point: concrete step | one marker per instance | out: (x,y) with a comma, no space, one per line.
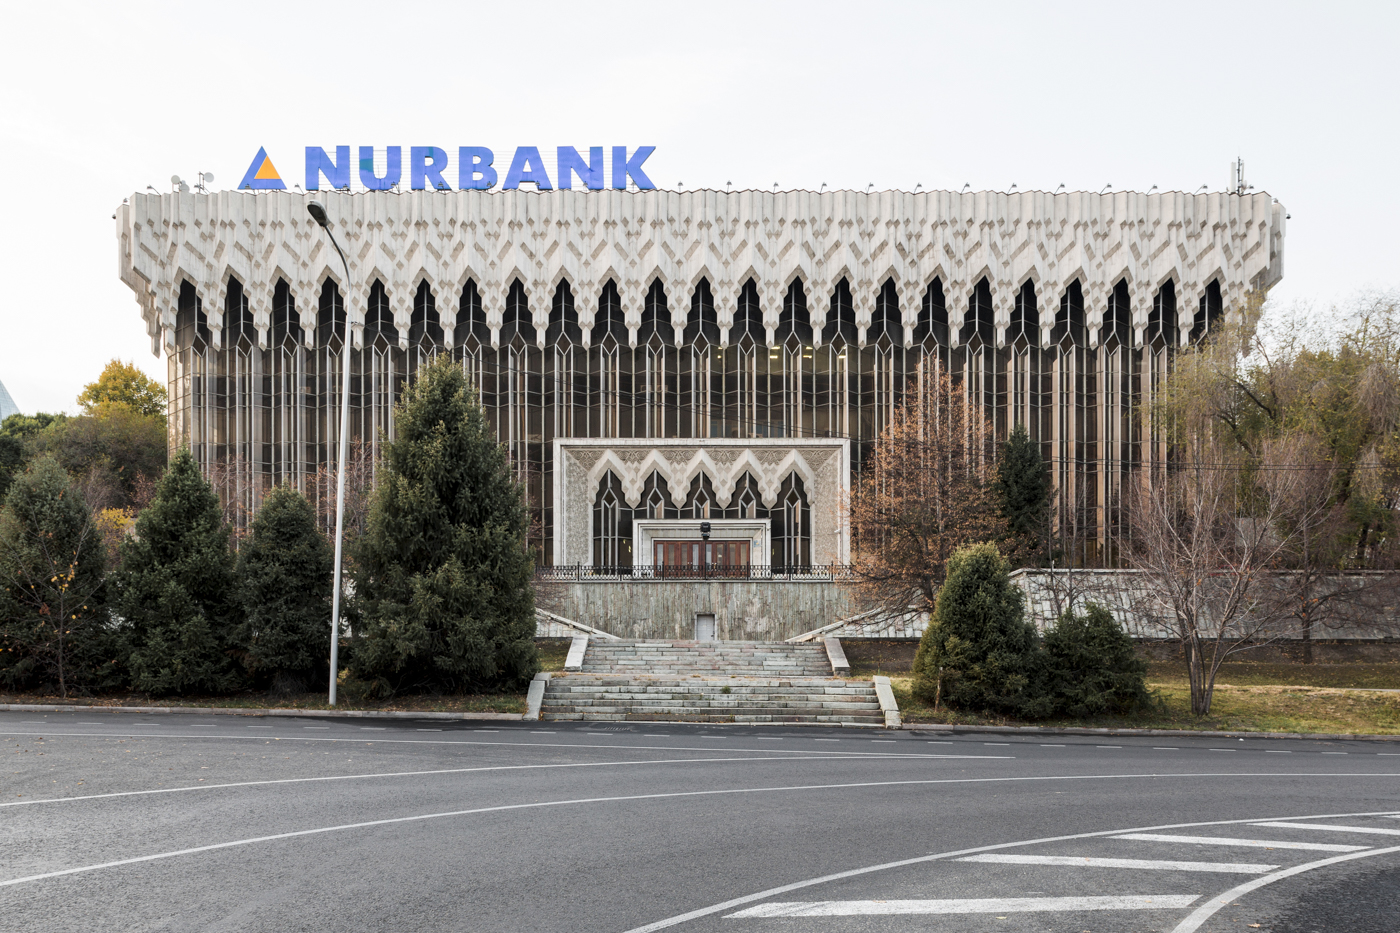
(682,714)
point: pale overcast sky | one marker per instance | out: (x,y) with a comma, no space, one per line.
(102,99)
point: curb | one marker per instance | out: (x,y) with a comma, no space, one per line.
(251,711)
(1200,733)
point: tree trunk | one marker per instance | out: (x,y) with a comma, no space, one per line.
(1307,638)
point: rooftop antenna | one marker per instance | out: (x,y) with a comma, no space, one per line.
(1012,188)
(204,179)
(1057,190)
(1200,189)
(680,184)
(1106,187)
(152,188)
(1152,189)
(966,185)
(917,187)
(1237,183)
(727,184)
(869,186)
(178,184)
(775,186)
(822,188)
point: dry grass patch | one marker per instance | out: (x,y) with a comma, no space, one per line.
(1258,708)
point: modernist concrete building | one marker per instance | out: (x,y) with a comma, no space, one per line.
(659,359)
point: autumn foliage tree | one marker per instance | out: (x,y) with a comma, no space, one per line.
(925,491)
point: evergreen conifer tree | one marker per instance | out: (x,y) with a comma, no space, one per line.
(979,652)
(53,621)
(1023,492)
(443,577)
(284,586)
(1091,667)
(175,589)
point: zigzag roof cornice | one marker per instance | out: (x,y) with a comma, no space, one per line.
(634,238)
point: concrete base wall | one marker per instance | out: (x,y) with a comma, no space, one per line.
(744,610)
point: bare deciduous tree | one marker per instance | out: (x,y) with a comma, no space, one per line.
(923,493)
(1207,538)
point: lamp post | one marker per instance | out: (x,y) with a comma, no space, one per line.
(318,214)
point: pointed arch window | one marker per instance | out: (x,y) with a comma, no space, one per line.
(791,520)
(612,525)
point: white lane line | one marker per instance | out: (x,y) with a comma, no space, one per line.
(882,740)
(1227,868)
(929,743)
(197,725)
(1165,748)
(362,728)
(514,744)
(81,722)
(1334,753)
(656,735)
(852,756)
(1108,746)
(421,729)
(498,730)
(767,738)
(315,727)
(543,733)
(996,743)
(1250,843)
(830,740)
(1201,914)
(1276,751)
(259,727)
(970,905)
(1330,828)
(1052,746)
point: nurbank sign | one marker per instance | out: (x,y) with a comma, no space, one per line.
(475,168)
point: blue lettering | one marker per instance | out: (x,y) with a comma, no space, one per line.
(425,163)
(393,170)
(337,172)
(471,162)
(623,166)
(527,166)
(590,172)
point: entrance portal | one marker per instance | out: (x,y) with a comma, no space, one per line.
(701,558)
(705,626)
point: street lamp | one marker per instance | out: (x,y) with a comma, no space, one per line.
(318,214)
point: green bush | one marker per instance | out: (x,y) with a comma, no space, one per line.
(175,589)
(284,586)
(54,627)
(1090,666)
(979,652)
(444,581)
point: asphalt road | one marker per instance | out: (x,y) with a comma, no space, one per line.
(119,822)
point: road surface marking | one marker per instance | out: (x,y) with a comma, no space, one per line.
(259,727)
(1165,748)
(1328,827)
(1108,746)
(1251,843)
(1201,914)
(970,905)
(1229,868)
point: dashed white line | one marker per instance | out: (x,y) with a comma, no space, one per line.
(1334,753)
(543,733)
(420,729)
(970,905)
(371,728)
(1052,746)
(1108,746)
(996,743)
(1248,843)
(1277,751)
(259,727)
(1228,868)
(828,740)
(315,727)
(1165,748)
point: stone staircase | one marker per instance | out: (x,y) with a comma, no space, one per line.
(686,681)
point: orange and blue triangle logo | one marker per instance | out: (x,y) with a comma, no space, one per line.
(262,175)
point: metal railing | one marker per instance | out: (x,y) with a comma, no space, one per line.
(800,572)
